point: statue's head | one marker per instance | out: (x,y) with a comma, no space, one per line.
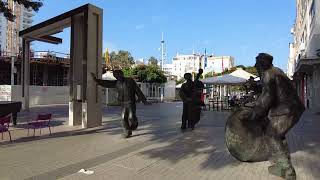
(200,71)
(251,78)
(187,76)
(263,62)
(118,74)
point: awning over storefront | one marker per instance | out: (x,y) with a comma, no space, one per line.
(306,65)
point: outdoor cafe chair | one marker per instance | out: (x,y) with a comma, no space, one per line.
(4,126)
(42,121)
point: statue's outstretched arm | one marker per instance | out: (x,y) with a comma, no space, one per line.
(104,83)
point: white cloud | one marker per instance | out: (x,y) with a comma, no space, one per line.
(140,26)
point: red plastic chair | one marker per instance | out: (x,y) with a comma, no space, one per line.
(42,121)
(4,126)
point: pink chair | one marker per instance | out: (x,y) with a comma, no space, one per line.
(42,121)
(4,126)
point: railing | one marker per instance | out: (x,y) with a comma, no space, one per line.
(52,56)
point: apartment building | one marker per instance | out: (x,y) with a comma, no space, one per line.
(182,64)
(304,56)
(9,31)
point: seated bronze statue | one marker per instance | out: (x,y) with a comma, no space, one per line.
(258,133)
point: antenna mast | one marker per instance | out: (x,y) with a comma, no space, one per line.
(162,51)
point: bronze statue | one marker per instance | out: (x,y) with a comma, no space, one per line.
(186,93)
(255,134)
(127,90)
(197,101)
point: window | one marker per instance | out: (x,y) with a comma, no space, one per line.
(312,12)
(302,38)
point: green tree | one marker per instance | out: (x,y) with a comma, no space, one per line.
(155,75)
(7,12)
(146,73)
(241,66)
(252,70)
(121,59)
(153,61)
(210,74)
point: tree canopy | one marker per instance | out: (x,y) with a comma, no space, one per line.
(7,11)
(150,73)
(153,61)
(120,60)
(146,73)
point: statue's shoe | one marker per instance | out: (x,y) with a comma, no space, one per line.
(286,173)
(126,135)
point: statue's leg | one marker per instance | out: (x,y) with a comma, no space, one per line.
(133,120)
(125,122)
(184,116)
(190,115)
(276,131)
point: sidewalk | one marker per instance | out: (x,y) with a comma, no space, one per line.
(157,150)
(201,154)
(59,123)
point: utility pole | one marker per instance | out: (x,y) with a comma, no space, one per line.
(162,62)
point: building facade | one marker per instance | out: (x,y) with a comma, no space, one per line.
(182,64)
(47,68)
(9,31)
(168,69)
(304,56)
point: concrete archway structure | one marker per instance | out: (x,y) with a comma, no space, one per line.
(85,58)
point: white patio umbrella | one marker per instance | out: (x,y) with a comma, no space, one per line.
(242,74)
(239,76)
(108,76)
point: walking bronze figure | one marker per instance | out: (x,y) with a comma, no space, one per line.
(186,93)
(127,90)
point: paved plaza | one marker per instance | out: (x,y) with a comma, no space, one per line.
(157,150)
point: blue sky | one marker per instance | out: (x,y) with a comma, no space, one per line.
(224,27)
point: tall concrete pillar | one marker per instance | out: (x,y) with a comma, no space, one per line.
(25,74)
(86,57)
(91,105)
(76,70)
